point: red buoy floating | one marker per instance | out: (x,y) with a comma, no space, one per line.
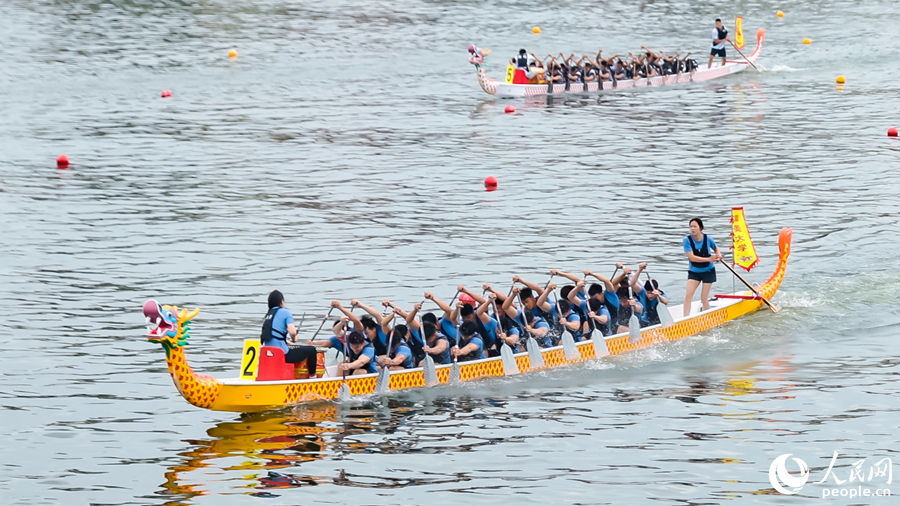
(62,162)
(166,93)
(490,183)
(509,109)
(892,132)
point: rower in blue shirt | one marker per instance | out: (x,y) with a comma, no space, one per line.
(362,356)
(702,254)
(446,324)
(648,296)
(399,355)
(470,346)
(377,326)
(569,320)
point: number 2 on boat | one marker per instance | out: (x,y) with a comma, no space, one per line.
(510,74)
(250,359)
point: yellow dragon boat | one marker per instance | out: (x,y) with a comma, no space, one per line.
(170,326)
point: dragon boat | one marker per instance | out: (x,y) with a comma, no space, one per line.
(275,387)
(509,90)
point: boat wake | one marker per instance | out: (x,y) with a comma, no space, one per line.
(778,68)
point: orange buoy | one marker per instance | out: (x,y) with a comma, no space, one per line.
(490,183)
(62,162)
(509,109)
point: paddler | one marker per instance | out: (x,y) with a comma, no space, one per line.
(470,346)
(278,327)
(425,338)
(446,324)
(399,355)
(377,326)
(702,254)
(605,293)
(362,356)
(485,325)
(720,37)
(627,307)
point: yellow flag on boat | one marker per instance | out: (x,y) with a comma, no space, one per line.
(739,32)
(510,74)
(744,252)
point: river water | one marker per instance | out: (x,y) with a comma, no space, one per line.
(341,155)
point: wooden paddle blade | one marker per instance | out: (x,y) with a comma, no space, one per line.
(510,367)
(344,392)
(534,354)
(665,317)
(383,384)
(634,329)
(455,377)
(430,372)
(569,348)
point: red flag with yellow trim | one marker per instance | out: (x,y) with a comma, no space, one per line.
(739,32)
(744,252)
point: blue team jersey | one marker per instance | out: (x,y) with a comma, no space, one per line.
(406,352)
(416,336)
(444,356)
(382,338)
(574,318)
(280,322)
(448,329)
(336,343)
(649,306)
(367,351)
(478,353)
(699,245)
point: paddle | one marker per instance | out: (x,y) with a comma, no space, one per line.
(634,325)
(754,290)
(742,54)
(665,317)
(344,390)
(455,378)
(313,338)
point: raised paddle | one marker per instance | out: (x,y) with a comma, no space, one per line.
(344,390)
(742,54)
(634,325)
(754,290)
(455,377)
(322,324)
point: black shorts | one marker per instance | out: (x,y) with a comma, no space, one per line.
(704,277)
(717,52)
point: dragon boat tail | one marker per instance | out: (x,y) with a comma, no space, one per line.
(509,90)
(170,325)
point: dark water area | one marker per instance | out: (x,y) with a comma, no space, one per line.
(341,155)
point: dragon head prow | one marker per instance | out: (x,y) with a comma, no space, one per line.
(167,323)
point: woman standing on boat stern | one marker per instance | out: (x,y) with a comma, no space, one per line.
(702,254)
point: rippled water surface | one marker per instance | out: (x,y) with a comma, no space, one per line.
(341,155)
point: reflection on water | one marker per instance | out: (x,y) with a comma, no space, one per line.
(261,441)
